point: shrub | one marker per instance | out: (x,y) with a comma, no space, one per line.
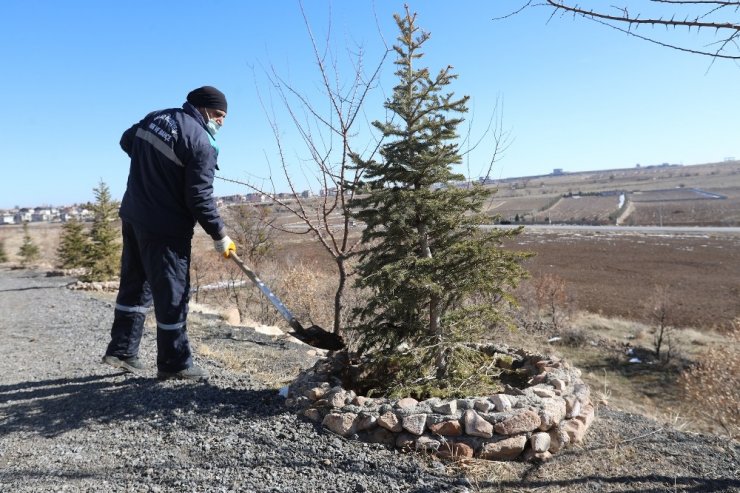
(73,245)
(104,252)
(29,252)
(712,387)
(574,337)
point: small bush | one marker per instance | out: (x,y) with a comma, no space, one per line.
(73,244)
(574,337)
(309,293)
(712,386)
(103,254)
(28,252)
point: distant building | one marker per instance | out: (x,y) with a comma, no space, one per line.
(558,172)
(234,199)
(23,216)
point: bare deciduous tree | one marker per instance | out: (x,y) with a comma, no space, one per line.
(328,130)
(660,307)
(711,16)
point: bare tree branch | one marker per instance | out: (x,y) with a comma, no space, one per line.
(326,130)
(622,20)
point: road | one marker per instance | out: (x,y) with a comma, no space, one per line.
(675,230)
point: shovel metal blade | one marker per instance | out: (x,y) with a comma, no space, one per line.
(318,337)
(313,336)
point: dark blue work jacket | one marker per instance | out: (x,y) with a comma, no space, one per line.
(170,182)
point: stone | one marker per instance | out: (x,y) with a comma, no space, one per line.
(483,405)
(406,403)
(360,400)
(572,406)
(543,392)
(501,401)
(414,423)
(427,444)
(559,439)
(587,414)
(365,422)
(454,450)
(521,422)
(313,414)
(385,408)
(446,407)
(472,442)
(316,393)
(531,456)
(540,442)
(340,423)
(431,402)
(503,448)
(450,427)
(390,422)
(465,404)
(582,392)
(406,441)
(477,426)
(575,429)
(558,384)
(337,398)
(551,413)
(539,378)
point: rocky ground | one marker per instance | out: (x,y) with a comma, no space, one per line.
(69,423)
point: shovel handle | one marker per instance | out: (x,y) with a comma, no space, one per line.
(267,292)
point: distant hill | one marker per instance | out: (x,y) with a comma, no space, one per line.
(676,195)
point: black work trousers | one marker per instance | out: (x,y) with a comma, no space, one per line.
(153,268)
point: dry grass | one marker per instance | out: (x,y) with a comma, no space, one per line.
(648,388)
(43,235)
(253,363)
(480,471)
(712,386)
(304,278)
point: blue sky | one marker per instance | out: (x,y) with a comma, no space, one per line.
(575,95)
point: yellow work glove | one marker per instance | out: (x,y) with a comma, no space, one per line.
(225,246)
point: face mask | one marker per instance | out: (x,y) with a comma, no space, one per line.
(212,126)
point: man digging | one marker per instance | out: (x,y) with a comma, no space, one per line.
(170,187)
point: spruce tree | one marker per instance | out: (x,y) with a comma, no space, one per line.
(73,244)
(102,258)
(29,252)
(432,274)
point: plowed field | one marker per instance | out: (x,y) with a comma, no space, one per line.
(615,274)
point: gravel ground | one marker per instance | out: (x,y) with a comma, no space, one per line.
(69,423)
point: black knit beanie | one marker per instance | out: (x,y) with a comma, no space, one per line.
(207,97)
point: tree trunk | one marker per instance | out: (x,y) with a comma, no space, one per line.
(435,310)
(339,295)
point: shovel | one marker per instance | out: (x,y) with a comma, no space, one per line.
(313,336)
